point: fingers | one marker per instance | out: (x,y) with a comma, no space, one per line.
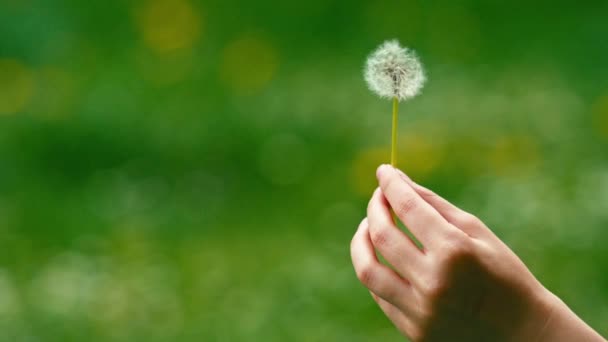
(377,277)
(398,318)
(419,216)
(394,245)
(463,220)
(449,211)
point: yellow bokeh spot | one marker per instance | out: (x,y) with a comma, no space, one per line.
(248,64)
(168,26)
(514,153)
(418,156)
(16,86)
(599,112)
(363,176)
(55,94)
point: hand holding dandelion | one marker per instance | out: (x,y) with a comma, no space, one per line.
(462,284)
(394,72)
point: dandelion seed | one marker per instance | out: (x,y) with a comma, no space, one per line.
(394,72)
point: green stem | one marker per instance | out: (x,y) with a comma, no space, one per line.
(394,133)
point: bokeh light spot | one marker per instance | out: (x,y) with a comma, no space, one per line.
(248,64)
(168,26)
(16,86)
(513,154)
(55,93)
(600,116)
(65,286)
(418,156)
(363,177)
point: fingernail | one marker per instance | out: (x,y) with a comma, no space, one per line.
(382,169)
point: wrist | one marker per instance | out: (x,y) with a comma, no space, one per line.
(538,315)
(563,325)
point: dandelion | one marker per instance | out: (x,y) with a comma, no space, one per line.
(394,72)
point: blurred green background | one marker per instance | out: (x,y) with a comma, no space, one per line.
(180,170)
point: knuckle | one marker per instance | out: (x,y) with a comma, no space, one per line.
(456,247)
(469,220)
(366,275)
(406,205)
(380,236)
(433,291)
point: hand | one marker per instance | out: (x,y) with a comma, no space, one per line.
(464,284)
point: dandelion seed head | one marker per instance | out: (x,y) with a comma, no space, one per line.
(394,71)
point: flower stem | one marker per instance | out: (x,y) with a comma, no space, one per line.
(394,133)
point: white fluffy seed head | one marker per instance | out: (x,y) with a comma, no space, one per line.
(394,71)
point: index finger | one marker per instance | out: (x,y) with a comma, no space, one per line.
(418,216)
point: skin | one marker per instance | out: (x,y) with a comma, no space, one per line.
(464,284)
